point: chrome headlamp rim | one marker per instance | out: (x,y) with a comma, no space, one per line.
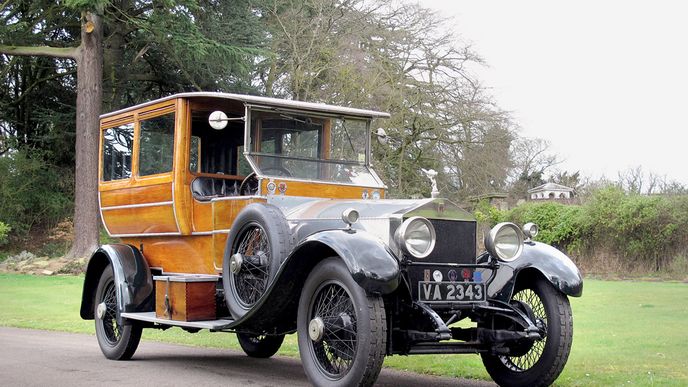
(401,237)
(350,216)
(491,239)
(531,230)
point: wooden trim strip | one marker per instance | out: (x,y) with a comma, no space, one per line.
(174,212)
(154,204)
(151,234)
(102,219)
(199,233)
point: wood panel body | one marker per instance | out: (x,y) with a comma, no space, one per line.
(138,204)
(142,220)
(116,196)
(186,301)
(320,189)
(140,209)
(226,210)
(182,186)
(177,254)
(219,246)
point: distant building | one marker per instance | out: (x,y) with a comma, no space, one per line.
(549,191)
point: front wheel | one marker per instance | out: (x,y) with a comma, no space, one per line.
(342,331)
(259,346)
(117,342)
(541,363)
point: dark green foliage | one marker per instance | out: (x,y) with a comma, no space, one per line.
(489,215)
(560,225)
(637,229)
(33,192)
(4,231)
(151,49)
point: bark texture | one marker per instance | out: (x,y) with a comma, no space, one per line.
(88,103)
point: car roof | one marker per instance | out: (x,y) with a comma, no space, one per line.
(263,102)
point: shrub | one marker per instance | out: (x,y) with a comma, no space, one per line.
(4,231)
(638,230)
(560,225)
(487,214)
(647,229)
(33,192)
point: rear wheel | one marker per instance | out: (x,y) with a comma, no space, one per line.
(260,346)
(342,331)
(540,363)
(117,342)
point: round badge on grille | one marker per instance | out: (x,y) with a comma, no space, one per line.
(437,276)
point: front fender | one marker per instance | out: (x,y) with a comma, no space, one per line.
(132,277)
(551,263)
(371,264)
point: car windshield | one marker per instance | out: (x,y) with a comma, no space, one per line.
(311,147)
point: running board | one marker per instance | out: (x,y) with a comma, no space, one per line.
(213,325)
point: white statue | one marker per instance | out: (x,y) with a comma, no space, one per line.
(431,174)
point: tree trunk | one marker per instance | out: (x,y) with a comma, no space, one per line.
(88,103)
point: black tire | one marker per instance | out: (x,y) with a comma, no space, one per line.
(352,339)
(117,342)
(260,233)
(260,346)
(541,363)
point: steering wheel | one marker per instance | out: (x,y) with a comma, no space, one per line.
(282,171)
(249,185)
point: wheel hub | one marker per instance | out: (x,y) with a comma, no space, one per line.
(100,311)
(235,263)
(316,329)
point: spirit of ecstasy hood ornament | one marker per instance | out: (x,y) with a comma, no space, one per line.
(431,174)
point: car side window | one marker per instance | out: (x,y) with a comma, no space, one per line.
(156,145)
(195,154)
(118,143)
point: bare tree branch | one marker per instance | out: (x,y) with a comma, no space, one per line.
(58,52)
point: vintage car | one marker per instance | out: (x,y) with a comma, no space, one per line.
(263,217)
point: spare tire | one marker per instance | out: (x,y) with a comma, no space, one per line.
(261,240)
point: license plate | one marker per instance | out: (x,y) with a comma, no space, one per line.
(451,291)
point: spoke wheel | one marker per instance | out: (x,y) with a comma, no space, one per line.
(251,282)
(117,342)
(342,331)
(260,346)
(336,350)
(260,239)
(527,357)
(538,363)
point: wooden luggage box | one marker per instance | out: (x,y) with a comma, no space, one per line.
(185,297)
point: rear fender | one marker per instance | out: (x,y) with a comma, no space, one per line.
(537,259)
(132,277)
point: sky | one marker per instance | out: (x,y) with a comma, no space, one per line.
(605,82)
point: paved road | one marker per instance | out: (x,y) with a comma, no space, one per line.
(40,358)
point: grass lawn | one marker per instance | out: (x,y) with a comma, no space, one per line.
(624,332)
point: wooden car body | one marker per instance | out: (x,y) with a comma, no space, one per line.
(149,203)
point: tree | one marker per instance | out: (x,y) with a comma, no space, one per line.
(150,49)
(88,57)
(531,160)
(567,179)
(153,49)
(398,58)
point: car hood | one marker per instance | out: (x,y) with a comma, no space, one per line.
(299,208)
(380,218)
